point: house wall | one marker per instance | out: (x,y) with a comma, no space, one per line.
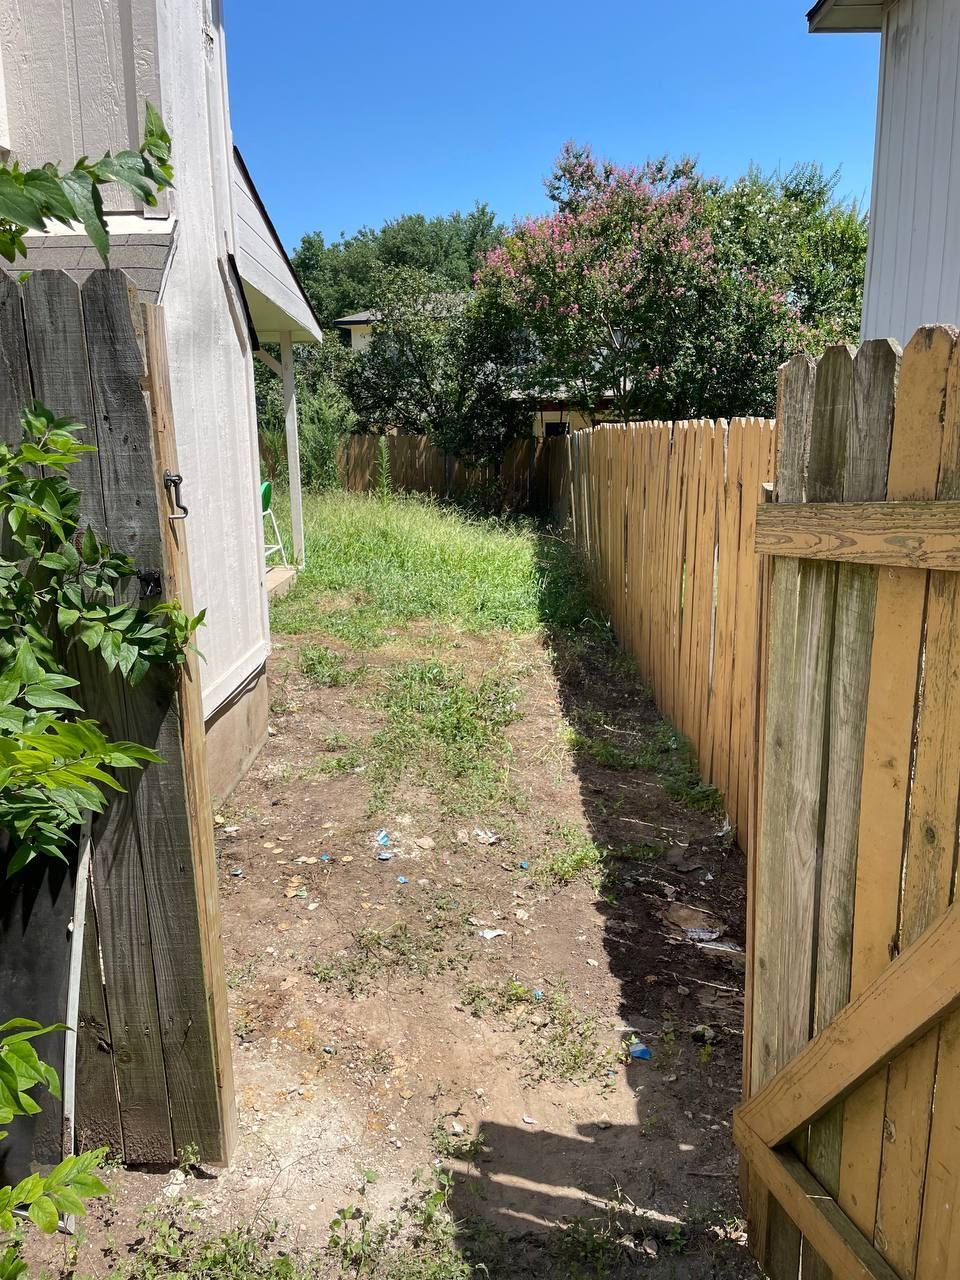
(360,336)
(75,77)
(913,267)
(211,359)
(104,59)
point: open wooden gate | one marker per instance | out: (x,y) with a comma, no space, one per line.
(153,1067)
(850,1131)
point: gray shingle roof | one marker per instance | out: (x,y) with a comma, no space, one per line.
(142,257)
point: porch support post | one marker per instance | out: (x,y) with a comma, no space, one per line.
(293,448)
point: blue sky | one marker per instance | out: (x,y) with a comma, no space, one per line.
(351,113)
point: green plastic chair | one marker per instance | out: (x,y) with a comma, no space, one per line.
(266,501)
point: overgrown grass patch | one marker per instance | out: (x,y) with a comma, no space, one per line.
(444,731)
(407,557)
(329,670)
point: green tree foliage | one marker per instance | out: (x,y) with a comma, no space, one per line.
(440,363)
(68,1186)
(339,277)
(792,231)
(324,412)
(61,590)
(673,295)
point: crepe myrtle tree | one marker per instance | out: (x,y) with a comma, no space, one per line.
(441,363)
(629,295)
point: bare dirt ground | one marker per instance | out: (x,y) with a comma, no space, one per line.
(379,1032)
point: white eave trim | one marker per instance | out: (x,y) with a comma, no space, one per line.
(845,15)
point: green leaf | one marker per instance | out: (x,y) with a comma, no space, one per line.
(43,1214)
(87,201)
(18,205)
(44,699)
(90,547)
(46,186)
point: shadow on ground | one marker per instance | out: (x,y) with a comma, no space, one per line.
(667,866)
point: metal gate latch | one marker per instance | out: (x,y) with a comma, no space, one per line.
(171,481)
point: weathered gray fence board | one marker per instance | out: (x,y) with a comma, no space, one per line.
(15,389)
(147,1081)
(97,1119)
(162,829)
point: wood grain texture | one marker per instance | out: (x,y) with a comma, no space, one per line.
(97,1121)
(914,535)
(931,833)
(779,1250)
(895,1010)
(864,476)
(938,1251)
(15,388)
(841,1248)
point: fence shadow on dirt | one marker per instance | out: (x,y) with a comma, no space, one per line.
(668,1181)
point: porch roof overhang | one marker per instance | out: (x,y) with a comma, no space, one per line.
(845,15)
(276,302)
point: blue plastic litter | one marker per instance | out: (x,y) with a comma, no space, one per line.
(402,880)
(640,1053)
(382,838)
(538,996)
(524,866)
(324,857)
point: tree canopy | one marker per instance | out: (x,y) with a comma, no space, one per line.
(338,277)
(676,296)
(441,362)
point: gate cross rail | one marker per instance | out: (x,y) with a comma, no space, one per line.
(905,535)
(920,987)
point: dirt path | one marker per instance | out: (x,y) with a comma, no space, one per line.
(465,997)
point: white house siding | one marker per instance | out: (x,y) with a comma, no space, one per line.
(75,76)
(913,269)
(211,361)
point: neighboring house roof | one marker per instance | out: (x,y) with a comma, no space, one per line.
(275,297)
(458,296)
(845,15)
(362,317)
(143,257)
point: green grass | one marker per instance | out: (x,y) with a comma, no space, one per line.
(661,751)
(377,953)
(407,558)
(444,731)
(560,1042)
(576,855)
(328,669)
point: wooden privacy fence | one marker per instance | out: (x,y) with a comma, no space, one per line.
(416,466)
(153,1068)
(850,1133)
(663,514)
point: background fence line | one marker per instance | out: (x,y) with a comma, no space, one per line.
(416,466)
